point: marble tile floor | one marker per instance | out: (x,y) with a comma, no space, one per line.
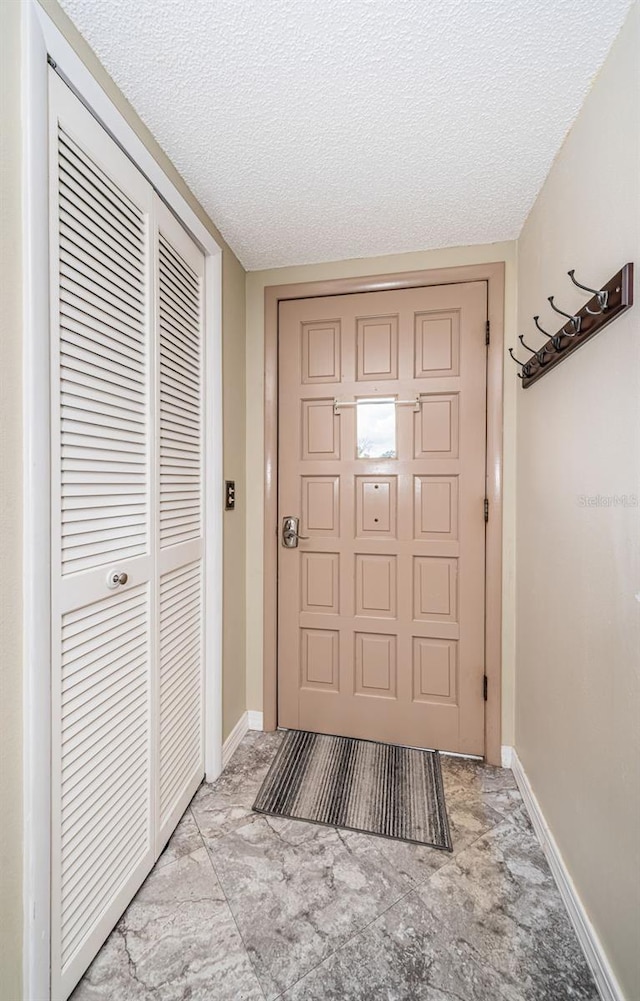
(244,907)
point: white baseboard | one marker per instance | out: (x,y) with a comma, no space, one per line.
(506,755)
(230,745)
(255,720)
(603,975)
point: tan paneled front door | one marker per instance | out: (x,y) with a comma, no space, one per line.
(382,436)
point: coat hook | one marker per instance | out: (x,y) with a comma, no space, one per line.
(525,345)
(538,354)
(542,331)
(554,338)
(575,320)
(522,364)
(601,294)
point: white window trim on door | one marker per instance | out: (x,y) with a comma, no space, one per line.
(41,38)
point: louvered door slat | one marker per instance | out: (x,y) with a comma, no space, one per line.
(176,420)
(174,384)
(93,839)
(178,277)
(179,509)
(129,751)
(177,446)
(76,493)
(185,356)
(130,351)
(99,886)
(180,302)
(75,704)
(91,288)
(102,417)
(183,375)
(100,536)
(98,322)
(79,167)
(78,695)
(180,361)
(178,268)
(83,337)
(90,272)
(76,376)
(90,182)
(176,604)
(110,630)
(74,289)
(180,633)
(180,429)
(185,275)
(182,315)
(91,257)
(89,222)
(82,219)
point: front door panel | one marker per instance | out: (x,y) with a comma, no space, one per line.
(381,602)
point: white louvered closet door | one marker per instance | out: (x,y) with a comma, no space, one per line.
(102,505)
(127,537)
(179,324)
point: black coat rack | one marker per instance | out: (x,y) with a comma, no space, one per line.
(605,305)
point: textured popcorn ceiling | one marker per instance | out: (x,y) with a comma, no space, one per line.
(315,130)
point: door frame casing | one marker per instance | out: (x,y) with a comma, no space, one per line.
(494,275)
(41,39)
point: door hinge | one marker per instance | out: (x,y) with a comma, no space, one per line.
(486,509)
(487,332)
(484,687)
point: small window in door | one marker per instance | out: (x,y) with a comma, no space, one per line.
(376,428)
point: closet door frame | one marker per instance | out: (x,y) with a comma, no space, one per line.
(42,42)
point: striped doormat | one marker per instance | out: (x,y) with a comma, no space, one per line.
(384,789)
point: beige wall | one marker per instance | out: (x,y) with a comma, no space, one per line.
(256,283)
(234,700)
(10,510)
(578,617)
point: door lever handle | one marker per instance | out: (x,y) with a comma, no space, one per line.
(290,533)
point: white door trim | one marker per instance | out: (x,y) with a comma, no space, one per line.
(41,38)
